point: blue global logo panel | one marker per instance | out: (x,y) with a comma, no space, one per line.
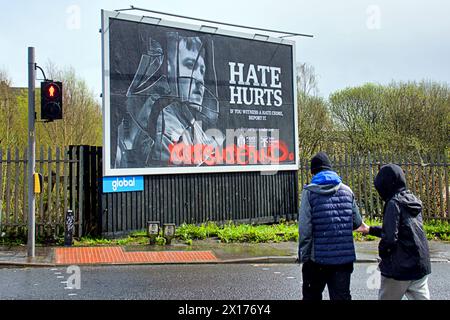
(123,184)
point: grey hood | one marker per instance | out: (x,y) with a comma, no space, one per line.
(323,188)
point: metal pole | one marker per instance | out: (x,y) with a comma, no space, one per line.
(31,150)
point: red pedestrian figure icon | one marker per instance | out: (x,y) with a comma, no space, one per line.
(51,91)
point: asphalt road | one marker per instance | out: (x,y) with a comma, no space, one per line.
(188,282)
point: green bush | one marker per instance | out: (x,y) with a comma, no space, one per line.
(260,233)
(160,241)
(190,231)
(88,241)
(437,230)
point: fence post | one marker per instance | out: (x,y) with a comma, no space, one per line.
(413,175)
(41,221)
(433,204)
(366,199)
(66,189)
(420,188)
(57,186)
(447,185)
(49,192)
(72,174)
(99,182)
(440,186)
(379,162)
(81,174)
(16,188)
(427,205)
(1,188)
(25,189)
(369,167)
(8,187)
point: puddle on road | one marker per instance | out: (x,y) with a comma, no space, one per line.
(225,250)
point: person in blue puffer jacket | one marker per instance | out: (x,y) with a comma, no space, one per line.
(328,215)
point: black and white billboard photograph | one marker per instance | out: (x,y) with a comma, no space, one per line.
(179,100)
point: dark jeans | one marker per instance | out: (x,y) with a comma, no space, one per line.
(317,276)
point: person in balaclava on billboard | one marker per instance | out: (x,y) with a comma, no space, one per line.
(172,99)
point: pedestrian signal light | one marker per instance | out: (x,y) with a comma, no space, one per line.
(51,100)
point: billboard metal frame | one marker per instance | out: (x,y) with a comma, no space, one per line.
(108,171)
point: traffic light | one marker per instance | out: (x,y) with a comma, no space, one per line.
(51,100)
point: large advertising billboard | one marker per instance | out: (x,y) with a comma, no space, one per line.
(181,98)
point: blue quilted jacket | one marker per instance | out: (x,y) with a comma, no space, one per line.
(328,216)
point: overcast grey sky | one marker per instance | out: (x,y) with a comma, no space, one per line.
(355,41)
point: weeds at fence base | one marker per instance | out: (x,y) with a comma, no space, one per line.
(226,233)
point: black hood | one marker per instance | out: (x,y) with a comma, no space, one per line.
(389,181)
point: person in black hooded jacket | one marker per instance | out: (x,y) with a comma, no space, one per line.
(403,249)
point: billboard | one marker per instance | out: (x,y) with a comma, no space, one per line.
(181,98)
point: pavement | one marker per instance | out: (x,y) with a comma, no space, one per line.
(202,251)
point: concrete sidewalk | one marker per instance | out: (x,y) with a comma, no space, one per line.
(204,251)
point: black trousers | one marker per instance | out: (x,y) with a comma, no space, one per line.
(317,276)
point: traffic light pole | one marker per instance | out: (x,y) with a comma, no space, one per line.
(31,150)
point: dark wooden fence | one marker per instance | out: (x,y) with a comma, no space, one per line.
(73,180)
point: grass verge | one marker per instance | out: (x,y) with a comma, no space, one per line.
(227,233)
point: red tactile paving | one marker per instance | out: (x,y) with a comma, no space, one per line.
(116,255)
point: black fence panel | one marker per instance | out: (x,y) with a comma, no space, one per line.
(196,198)
(88,183)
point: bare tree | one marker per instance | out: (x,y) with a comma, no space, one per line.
(307,80)
(9,119)
(314,123)
(313,117)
